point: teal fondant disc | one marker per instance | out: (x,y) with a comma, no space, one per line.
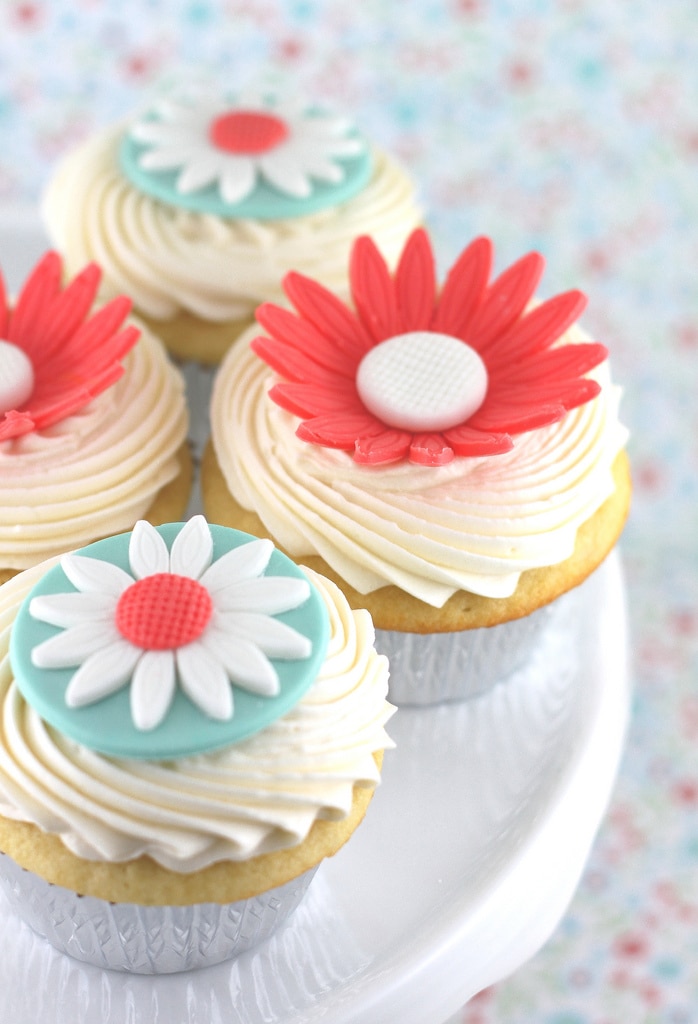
(265,202)
(106,725)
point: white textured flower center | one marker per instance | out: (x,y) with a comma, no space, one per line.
(16,377)
(422,381)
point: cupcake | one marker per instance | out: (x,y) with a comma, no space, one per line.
(93,420)
(453,460)
(190,724)
(197,207)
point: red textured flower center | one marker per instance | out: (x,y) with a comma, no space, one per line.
(163,611)
(247,132)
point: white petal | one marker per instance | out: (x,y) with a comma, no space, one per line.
(269,594)
(242,563)
(161,134)
(323,126)
(72,609)
(73,646)
(102,674)
(237,181)
(324,170)
(315,138)
(168,158)
(192,549)
(147,551)
(152,689)
(244,662)
(189,108)
(291,108)
(275,638)
(199,172)
(345,147)
(92,575)
(205,681)
(285,174)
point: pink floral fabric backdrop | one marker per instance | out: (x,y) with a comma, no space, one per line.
(568,126)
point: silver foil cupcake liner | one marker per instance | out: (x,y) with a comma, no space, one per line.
(432,668)
(146,940)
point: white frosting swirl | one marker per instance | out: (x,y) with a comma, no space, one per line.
(97,471)
(260,795)
(168,259)
(474,524)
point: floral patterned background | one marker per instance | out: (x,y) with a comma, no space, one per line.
(570,126)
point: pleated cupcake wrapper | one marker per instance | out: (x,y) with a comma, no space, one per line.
(433,668)
(146,940)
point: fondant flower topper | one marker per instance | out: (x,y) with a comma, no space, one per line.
(409,373)
(257,156)
(177,616)
(55,356)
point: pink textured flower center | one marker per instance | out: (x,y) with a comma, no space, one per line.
(163,611)
(247,132)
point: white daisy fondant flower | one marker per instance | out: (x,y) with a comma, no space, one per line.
(178,616)
(234,145)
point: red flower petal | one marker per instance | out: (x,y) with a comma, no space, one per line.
(62,376)
(339,430)
(292,364)
(578,392)
(567,393)
(66,366)
(467,440)
(58,317)
(74,359)
(15,424)
(373,290)
(286,327)
(40,288)
(415,283)
(53,409)
(558,364)
(504,301)
(306,400)
(388,446)
(463,290)
(327,313)
(536,330)
(431,450)
(70,308)
(507,417)
(94,334)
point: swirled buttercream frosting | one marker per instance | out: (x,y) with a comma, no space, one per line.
(256,796)
(474,524)
(97,471)
(168,259)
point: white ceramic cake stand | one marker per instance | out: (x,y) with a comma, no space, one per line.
(470,852)
(468,857)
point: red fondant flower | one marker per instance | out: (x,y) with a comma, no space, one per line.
(54,356)
(411,374)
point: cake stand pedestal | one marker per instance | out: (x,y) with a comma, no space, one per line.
(467,859)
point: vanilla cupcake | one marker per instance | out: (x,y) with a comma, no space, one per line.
(93,420)
(190,724)
(198,207)
(453,460)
